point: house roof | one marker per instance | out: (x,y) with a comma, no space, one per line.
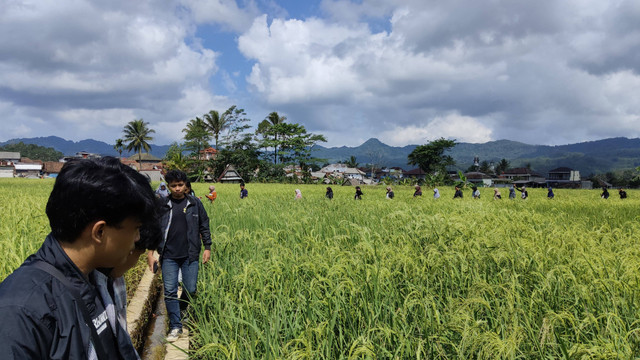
(353,171)
(52,166)
(416,171)
(9,155)
(144,157)
(26,167)
(477,175)
(230,174)
(208,150)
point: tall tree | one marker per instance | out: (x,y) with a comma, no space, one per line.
(216,123)
(237,121)
(294,142)
(173,159)
(275,120)
(431,158)
(352,162)
(502,166)
(197,137)
(119,147)
(136,134)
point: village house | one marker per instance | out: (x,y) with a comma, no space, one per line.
(51,168)
(417,174)
(479,178)
(208,154)
(564,177)
(524,177)
(7,159)
(81,155)
(230,175)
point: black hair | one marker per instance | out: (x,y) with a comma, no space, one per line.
(175,175)
(88,190)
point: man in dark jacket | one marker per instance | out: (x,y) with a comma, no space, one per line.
(184,222)
(49,306)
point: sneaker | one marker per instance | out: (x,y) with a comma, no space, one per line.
(174,334)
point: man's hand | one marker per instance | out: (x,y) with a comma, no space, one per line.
(206,255)
(151,260)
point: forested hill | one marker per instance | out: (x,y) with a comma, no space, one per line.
(589,157)
(68,147)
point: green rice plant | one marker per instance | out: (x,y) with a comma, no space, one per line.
(408,278)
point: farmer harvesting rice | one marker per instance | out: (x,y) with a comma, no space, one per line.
(358,195)
(390,193)
(212,195)
(50,306)
(329,193)
(243,192)
(184,222)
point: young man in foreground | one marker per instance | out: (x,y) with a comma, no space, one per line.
(184,222)
(50,306)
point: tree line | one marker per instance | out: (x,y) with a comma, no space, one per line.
(260,153)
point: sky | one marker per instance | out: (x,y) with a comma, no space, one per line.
(403,71)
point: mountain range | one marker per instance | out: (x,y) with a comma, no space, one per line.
(589,157)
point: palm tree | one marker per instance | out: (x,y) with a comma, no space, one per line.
(136,134)
(197,135)
(119,146)
(275,119)
(216,123)
(352,162)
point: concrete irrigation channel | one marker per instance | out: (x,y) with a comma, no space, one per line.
(146,322)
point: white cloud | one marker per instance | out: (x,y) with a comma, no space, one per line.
(226,13)
(544,72)
(452,126)
(88,68)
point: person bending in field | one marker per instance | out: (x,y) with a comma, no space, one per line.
(358,195)
(50,306)
(476,193)
(243,192)
(184,222)
(329,193)
(512,192)
(525,193)
(496,194)
(436,193)
(458,193)
(550,194)
(622,193)
(605,193)
(390,193)
(298,194)
(212,195)
(418,191)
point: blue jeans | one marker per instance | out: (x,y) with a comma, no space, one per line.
(170,269)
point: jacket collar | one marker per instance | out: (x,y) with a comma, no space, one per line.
(52,253)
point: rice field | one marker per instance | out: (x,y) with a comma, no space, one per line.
(399,279)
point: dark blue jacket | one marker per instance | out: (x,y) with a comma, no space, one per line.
(197,226)
(40,319)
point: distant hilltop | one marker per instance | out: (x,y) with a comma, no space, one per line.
(591,157)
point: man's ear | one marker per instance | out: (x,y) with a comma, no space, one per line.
(98,231)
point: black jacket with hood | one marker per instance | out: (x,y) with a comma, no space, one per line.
(197,225)
(40,317)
